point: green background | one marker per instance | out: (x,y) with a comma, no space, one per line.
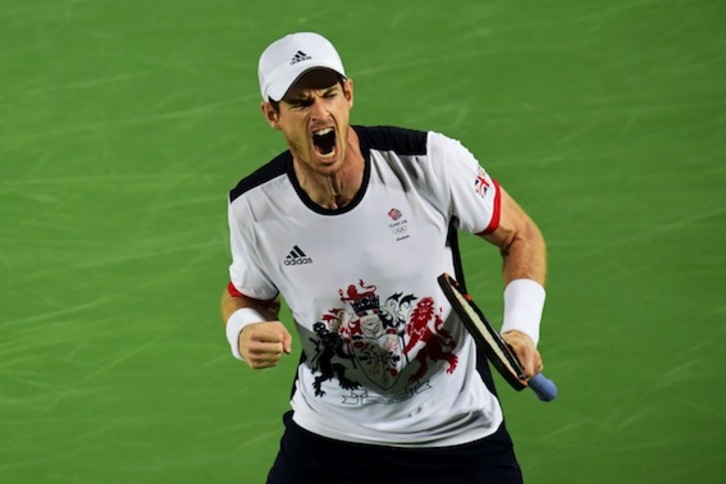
(124,123)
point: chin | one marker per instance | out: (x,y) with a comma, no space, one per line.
(328,167)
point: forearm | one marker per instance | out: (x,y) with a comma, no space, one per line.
(524,259)
(520,242)
(269,310)
(525,255)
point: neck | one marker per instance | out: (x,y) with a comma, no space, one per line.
(338,188)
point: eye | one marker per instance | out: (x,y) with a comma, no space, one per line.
(301,103)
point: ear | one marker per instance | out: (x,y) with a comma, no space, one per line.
(272,116)
(348,91)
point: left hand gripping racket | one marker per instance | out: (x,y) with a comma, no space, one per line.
(489,340)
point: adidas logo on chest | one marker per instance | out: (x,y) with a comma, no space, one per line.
(297,257)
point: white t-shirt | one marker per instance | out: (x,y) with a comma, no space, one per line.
(385,359)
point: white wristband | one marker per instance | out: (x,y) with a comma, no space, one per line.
(523,304)
(236,323)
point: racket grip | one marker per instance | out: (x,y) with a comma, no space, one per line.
(545,388)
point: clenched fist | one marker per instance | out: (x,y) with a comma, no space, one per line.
(262,344)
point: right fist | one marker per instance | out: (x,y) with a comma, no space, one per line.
(262,344)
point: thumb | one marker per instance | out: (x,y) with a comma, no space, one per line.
(286,341)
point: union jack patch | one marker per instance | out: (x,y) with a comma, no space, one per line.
(481,184)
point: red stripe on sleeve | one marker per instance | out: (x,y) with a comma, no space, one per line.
(233,290)
(496,212)
(235,293)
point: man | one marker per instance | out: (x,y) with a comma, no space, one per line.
(351,226)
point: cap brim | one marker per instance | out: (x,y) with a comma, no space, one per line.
(278,89)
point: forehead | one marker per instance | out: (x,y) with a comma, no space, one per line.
(313,80)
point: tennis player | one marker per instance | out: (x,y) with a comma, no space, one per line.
(351,225)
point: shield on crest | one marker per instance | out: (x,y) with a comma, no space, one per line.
(378,353)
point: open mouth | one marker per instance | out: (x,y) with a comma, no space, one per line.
(324,142)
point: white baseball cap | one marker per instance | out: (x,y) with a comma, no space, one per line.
(284,61)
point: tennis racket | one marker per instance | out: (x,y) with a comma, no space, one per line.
(489,340)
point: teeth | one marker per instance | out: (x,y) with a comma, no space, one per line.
(327,155)
(322,132)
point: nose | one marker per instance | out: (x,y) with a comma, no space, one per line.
(318,110)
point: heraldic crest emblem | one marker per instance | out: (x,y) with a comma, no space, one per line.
(379,340)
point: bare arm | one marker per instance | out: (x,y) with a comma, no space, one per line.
(260,344)
(520,242)
(524,256)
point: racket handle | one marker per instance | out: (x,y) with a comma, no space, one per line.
(545,388)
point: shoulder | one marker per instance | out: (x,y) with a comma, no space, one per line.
(275,168)
(390,138)
(408,142)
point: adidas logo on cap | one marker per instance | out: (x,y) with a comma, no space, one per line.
(299,57)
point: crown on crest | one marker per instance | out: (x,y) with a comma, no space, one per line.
(365,301)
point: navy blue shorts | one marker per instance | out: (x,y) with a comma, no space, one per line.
(307,458)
